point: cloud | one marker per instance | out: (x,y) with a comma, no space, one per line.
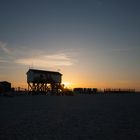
(46,61)
(4,48)
(3,61)
(16,51)
(122,49)
(33,57)
(60,56)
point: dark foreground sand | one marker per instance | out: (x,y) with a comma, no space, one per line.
(103,117)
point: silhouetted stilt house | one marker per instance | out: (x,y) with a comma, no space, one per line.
(40,81)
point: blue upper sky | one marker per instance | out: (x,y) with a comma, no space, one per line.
(98,41)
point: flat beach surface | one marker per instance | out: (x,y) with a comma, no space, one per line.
(81,117)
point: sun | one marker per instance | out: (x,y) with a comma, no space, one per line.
(66,84)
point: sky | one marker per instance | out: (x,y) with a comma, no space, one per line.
(93,43)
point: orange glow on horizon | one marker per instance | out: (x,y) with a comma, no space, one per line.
(72,85)
(67,84)
(78,81)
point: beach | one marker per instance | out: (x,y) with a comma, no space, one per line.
(79,117)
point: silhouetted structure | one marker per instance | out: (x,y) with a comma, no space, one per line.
(107,90)
(5,86)
(40,81)
(118,90)
(85,90)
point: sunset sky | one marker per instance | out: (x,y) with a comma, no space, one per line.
(93,43)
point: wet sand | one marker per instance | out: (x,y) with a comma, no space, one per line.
(82,117)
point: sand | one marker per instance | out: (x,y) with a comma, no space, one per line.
(82,117)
